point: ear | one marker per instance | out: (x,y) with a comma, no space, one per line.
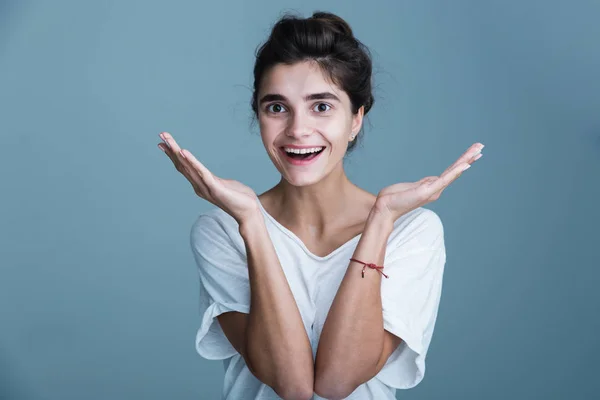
(357,120)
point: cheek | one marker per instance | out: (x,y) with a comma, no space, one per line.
(271,126)
(268,135)
(336,131)
(267,131)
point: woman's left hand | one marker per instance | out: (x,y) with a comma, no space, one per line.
(397,200)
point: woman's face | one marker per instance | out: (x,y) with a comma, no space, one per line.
(300,110)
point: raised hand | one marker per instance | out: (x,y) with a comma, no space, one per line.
(234,198)
(400,198)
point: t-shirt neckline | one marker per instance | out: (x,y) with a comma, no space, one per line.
(298,241)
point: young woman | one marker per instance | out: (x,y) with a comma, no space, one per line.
(316,288)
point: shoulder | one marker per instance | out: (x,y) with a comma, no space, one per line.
(421,229)
(214,220)
(215,226)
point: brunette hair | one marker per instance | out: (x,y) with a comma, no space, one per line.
(328,40)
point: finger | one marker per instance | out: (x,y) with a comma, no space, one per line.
(170,146)
(169,141)
(167,150)
(188,170)
(467,157)
(175,151)
(199,176)
(451,169)
(427,179)
(471,152)
(205,175)
(448,178)
(200,188)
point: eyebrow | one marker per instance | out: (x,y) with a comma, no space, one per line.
(314,96)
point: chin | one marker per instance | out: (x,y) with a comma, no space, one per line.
(300,180)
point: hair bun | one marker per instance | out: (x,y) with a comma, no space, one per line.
(334,22)
(327,40)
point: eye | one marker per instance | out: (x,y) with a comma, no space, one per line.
(322,107)
(275,108)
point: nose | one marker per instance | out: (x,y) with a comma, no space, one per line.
(299,125)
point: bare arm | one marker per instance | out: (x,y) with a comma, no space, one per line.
(353,346)
(272,338)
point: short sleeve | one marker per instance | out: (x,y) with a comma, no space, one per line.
(224,283)
(411,296)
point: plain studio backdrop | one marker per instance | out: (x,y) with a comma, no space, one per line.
(98,286)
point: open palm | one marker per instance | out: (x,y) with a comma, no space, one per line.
(400,198)
(233,197)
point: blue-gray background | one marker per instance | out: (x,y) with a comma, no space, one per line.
(98,287)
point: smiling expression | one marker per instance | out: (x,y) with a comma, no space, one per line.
(299,110)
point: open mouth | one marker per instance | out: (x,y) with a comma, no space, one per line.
(302,156)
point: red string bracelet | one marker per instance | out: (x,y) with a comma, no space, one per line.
(370,265)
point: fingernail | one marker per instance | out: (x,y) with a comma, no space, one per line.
(467,167)
(160,147)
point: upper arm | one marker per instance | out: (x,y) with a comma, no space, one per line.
(234,324)
(390,343)
(224,287)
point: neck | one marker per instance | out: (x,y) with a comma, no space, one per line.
(326,203)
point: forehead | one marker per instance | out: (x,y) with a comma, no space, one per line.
(297,80)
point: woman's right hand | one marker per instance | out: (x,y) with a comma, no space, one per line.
(231,196)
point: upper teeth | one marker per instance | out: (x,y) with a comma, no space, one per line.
(302,151)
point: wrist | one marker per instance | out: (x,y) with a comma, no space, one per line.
(373,242)
(382,219)
(251,224)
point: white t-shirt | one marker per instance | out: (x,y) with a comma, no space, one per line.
(414,262)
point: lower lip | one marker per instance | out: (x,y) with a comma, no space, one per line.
(294,161)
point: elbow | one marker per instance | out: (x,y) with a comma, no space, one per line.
(332,395)
(295,393)
(332,392)
(334,386)
(296,385)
